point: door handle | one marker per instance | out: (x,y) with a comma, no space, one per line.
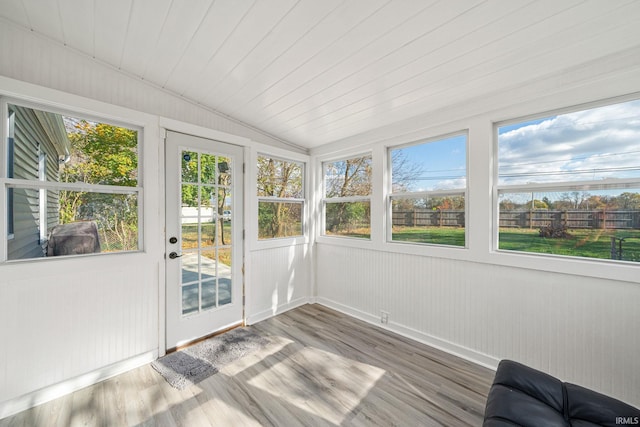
(174,255)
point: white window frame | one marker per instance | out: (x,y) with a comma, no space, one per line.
(271,199)
(350,199)
(564,186)
(426,194)
(39,185)
(42,177)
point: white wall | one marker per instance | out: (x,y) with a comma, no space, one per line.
(68,323)
(577,319)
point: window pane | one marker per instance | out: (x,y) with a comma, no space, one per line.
(594,224)
(436,165)
(279,219)
(76,150)
(52,148)
(592,144)
(279,178)
(349,219)
(77,223)
(436,220)
(345,178)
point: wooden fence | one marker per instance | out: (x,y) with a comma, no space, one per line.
(618,219)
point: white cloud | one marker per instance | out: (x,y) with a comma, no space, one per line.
(602,142)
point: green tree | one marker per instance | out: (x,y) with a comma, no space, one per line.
(347,178)
(279,179)
(106,155)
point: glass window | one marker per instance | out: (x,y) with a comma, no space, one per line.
(280,190)
(72,185)
(428,187)
(569,184)
(347,197)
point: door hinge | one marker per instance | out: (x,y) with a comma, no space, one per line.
(243,168)
(243,233)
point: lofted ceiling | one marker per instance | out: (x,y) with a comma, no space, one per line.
(316,71)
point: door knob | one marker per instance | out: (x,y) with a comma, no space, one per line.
(174,255)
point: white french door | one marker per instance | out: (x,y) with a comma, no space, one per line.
(203,237)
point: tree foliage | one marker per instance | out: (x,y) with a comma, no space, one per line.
(279,179)
(106,155)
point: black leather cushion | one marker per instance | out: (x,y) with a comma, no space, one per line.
(523,396)
(510,404)
(584,405)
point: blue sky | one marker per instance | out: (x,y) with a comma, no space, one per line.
(594,144)
(441,164)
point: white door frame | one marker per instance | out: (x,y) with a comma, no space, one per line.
(172,225)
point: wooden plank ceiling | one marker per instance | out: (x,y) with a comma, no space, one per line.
(312,72)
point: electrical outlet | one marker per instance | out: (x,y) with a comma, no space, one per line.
(384,317)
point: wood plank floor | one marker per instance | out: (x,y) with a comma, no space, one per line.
(320,368)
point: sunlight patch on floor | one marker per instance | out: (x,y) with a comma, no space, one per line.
(321,383)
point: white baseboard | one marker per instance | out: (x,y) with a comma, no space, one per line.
(265,314)
(46,394)
(452,348)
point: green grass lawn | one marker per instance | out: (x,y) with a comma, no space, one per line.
(434,235)
(583,242)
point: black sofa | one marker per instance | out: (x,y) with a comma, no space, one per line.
(523,396)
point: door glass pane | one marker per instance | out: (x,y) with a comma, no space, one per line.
(190,299)
(189,234)
(189,200)
(207,234)
(224,275)
(207,204)
(208,294)
(208,173)
(224,208)
(189,167)
(224,171)
(189,262)
(208,264)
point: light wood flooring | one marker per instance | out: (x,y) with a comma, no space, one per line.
(320,368)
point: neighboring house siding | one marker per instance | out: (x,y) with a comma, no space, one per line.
(30,139)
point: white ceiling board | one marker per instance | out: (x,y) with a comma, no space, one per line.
(222,19)
(179,28)
(111,23)
(409,61)
(44,18)
(77,17)
(326,36)
(416,102)
(313,72)
(145,28)
(14,11)
(354,53)
(302,19)
(466,52)
(255,25)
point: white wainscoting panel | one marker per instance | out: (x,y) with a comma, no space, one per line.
(280,279)
(64,319)
(581,329)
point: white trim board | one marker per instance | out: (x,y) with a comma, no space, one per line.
(54,391)
(430,340)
